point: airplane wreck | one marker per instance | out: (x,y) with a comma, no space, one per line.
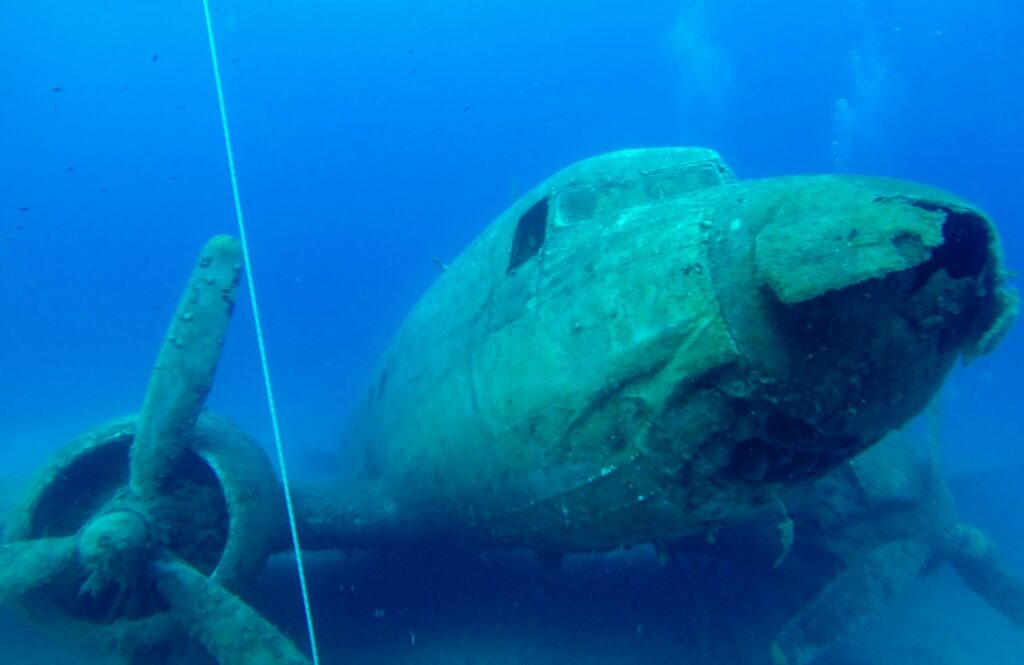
(642,348)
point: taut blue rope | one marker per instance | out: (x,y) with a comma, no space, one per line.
(259,336)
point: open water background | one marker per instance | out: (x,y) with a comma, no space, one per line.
(372,138)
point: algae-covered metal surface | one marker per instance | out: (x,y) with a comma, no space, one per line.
(644,346)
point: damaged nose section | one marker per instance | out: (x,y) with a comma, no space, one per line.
(862,294)
(939,256)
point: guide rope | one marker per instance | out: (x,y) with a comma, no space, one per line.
(259,336)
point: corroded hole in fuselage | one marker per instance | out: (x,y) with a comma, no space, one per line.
(961,279)
(788,450)
(964,251)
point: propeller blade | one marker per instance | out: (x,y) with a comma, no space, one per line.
(849,599)
(233,632)
(27,564)
(186,365)
(976,558)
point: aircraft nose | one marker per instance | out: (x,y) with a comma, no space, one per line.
(849,300)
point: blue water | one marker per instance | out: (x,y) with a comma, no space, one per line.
(372,138)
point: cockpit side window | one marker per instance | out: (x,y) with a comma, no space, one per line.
(529,234)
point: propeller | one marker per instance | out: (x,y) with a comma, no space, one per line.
(30,564)
(848,600)
(138,532)
(233,632)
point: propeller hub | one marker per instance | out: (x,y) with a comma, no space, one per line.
(115,542)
